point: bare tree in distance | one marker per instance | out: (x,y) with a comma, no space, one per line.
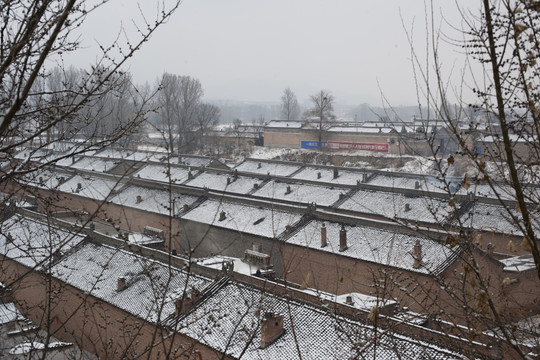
(323,110)
(179,102)
(290,110)
(36,32)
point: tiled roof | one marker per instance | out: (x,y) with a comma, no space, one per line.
(375,245)
(393,205)
(229,321)
(243,218)
(91,186)
(152,200)
(215,181)
(32,241)
(275,169)
(161,173)
(301,193)
(95,269)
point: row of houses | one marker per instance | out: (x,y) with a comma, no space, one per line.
(337,231)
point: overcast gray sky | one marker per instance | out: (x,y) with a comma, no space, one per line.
(250,50)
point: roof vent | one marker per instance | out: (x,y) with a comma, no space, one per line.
(323,235)
(417,185)
(336,173)
(349,301)
(271,328)
(190,175)
(185,304)
(259,165)
(407,207)
(342,238)
(288,191)
(417,254)
(228,180)
(139,199)
(222,215)
(122,283)
(319,175)
(186,207)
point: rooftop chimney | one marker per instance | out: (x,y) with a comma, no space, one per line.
(288,191)
(336,173)
(190,175)
(417,185)
(364,177)
(184,305)
(186,207)
(222,215)
(323,235)
(417,254)
(319,175)
(228,180)
(122,284)
(259,165)
(349,300)
(9,238)
(342,238)
(139,199)
(407,207)
(271,328)
(255,186)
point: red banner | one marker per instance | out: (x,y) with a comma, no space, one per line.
(333,145)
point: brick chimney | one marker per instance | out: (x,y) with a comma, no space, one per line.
(342,238)
(191,298)
(271,328)
(122,284)
(417,254)
(323,235)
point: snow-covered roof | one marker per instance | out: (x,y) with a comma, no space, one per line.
(425,183)
(393,205)
(95,269)
(229,321)
(262,167)
(302,193)
(346,177)
(495,218)
(375,245)
(361,129)
(161,173)
(44,178)
(194,161)
(9,313)
(90,186)
(32,242)
(217,181)
(284,124)
(94,164)
(152,200)
(519,263)
(109,152)
(243,218)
